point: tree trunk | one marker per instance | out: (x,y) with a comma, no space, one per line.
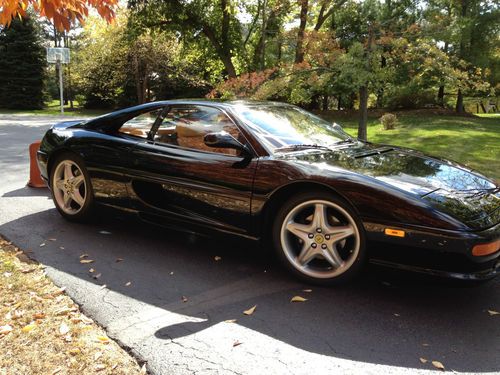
(299,50)
(441,96)
(339,102)
(363,112)
(459,108)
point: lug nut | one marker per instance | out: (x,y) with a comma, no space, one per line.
(311,235)
(318,230)
(314,246)
(327,236)
(323,246)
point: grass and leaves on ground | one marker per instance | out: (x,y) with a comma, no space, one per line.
(53,108)
(470,140)
(42,331)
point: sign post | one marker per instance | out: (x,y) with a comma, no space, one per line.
(59,56)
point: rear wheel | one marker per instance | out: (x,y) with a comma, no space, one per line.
(71,189)
(319,238)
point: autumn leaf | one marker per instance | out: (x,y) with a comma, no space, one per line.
(100,367)
(128,283)
(119,260)
(52,239)
(103,286)
(74,351)
(104,232)
(42,244)
(86,261)
(423,360)
(102,339)
(59,291)
(307,290)
(438,365)
(97,276)
(184,299)
(298,299)
(84,256)
(39,315)
(91,270)
(250,311)
(493,312)
(237,343)
(143,370)
(28,328)
(217,258)
(230,321)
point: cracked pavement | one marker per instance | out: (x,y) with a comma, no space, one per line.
(383,323)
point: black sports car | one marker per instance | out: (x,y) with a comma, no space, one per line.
(272,171)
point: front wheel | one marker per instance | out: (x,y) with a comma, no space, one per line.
(319,238)
(71,189)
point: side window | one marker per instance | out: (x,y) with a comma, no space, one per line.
(187,126)
(140,126)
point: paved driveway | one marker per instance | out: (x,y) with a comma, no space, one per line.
(177,313)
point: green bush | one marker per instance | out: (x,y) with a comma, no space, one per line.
(389,121)
(409,97)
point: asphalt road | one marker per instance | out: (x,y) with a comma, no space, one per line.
(177,312)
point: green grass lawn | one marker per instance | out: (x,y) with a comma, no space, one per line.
(473,141)
(54,109)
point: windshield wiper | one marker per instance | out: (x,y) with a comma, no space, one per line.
(348,140)
(301,147)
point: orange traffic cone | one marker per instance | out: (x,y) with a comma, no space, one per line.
(36,180)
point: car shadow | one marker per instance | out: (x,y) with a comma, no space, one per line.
(27,191)
(382,318)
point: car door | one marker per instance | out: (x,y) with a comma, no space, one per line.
(110,155)
(176,174)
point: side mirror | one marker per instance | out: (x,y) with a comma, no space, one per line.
(224,140)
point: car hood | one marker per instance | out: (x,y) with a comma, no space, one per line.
(450,187)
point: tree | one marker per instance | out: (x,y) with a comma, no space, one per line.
(61,12)
(22,65)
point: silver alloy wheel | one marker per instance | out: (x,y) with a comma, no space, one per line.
(68,184)
(320,239)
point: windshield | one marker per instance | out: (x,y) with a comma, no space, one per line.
(281,126)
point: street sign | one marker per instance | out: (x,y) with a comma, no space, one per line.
(58,54)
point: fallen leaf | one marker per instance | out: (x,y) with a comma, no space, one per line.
(85,320)
(59,291)
(104,232)
(438,365)
(63,329)
(114,366)
(397,315)
(100,367)
(385,283)
(17,314)
(8,316)
(28,328)
(7,274)
(28,270)
(119,260)
(91,270)
(39,315)
(236,343)
(250,311)
(103,339)
(230,321)
(184,299)
(56,371)
(42,244)
(52,239)
(97,276)
(217,258)
(61,247)
(171,273)
(425,344)
(5,329)
(298,299)
(307,290)
(128,283)
(97,356)
(493,312)
(74,351)
(423,360)
(103,286)
(84,256)
(62,311)
(143,370)
(86,261)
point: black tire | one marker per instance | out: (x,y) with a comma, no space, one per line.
(82,212)
(357,258)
